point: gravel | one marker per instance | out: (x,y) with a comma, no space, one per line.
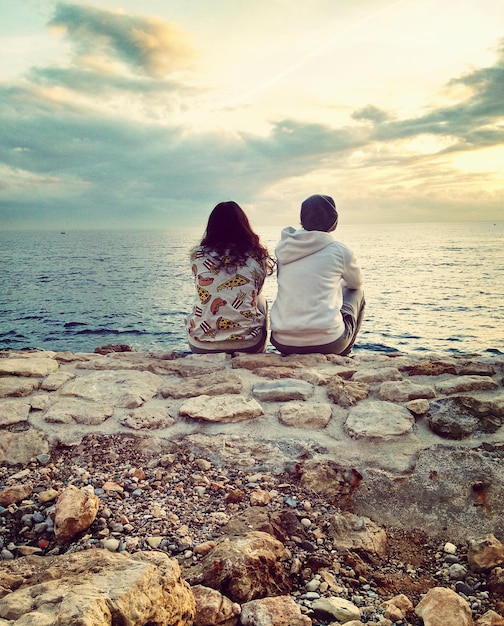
(175,501)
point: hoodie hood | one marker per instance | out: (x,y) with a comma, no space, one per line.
(298,244)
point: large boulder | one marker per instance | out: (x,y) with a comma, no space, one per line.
(443,607)
(214,609)
(357,533)
(458,417)
(485,553)
(96,588)
(243,568)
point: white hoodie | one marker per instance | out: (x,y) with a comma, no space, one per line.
(312,269)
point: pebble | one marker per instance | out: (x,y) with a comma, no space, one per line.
(6,554)
(154,542)
(308,546)
(451,558)
(203,464)
(313,585)
(457,571)
(311,595)
(462,587)
(111,544)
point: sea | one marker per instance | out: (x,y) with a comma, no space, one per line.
(430,288)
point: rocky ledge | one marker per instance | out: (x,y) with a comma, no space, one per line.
(257,490)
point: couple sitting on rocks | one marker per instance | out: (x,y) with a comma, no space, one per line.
(320,302)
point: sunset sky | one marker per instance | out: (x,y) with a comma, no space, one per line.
(130,114)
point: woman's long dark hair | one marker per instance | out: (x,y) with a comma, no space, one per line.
(229,233)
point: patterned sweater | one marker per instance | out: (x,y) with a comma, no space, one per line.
(226,302)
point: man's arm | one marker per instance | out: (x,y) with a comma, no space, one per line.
(352,273)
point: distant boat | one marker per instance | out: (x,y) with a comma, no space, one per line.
(62,232)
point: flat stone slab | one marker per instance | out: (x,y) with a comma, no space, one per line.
(126,389)
(459,384)
(405,390)
(378,375)
(78,411)
(214,384)
(13,411)
(301,415)
(54,381)
(149,416)
(255,361)
(12,386)
(282,390)
(239,451)
(226,409)
(192,365)
(29,366)
(373,419)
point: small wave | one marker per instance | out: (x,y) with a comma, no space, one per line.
(374,347)
(98,331)
(74,324)
(108,331)
(29,318)
(12,334)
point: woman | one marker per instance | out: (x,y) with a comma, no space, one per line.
(229,268)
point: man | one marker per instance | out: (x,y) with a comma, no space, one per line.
(320,301)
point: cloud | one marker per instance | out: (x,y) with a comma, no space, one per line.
(371,114)
(146,44)
(95,144)
(88,81)
(475,122)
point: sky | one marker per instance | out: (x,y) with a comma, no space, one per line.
(120,114)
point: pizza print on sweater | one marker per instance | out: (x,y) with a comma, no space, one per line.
(204,295)
(223,323)
(225,306)
(237,281)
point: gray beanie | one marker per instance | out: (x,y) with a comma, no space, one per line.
(318,212)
